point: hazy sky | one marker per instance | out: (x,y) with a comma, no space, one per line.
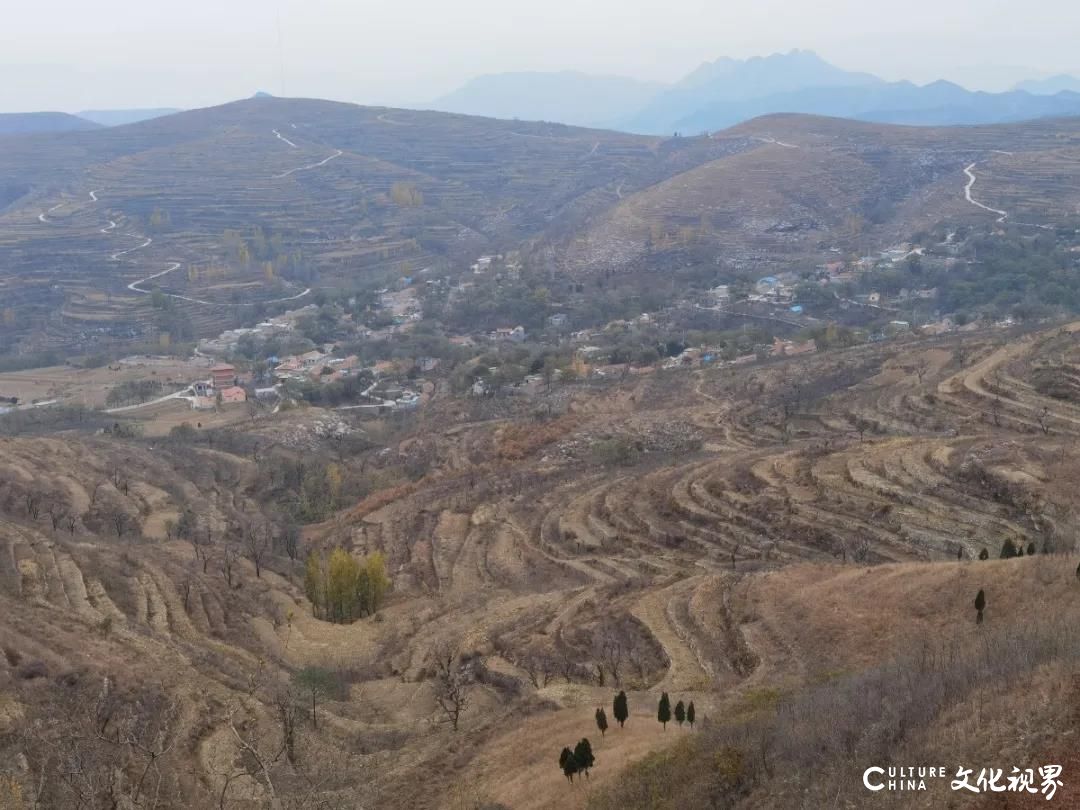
(73,54)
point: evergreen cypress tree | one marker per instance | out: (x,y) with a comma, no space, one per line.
(583,756)
(1031,548)
(619,710)
(960,553)
(663,711)
(680,713)
(984,555)
(601,721)
(568,764)
(1008,549)
(980,603)
(690,714)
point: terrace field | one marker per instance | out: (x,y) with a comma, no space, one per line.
(763,535)
(237,209)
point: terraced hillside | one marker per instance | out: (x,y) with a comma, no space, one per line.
(810,183)
(96,220)
(91,222)
(737,553)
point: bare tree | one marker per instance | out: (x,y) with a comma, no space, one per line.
(258,761)
(290,540)
(638,661)
(538,666)
(57,510)
(610,651)
(288,713)
(185,589)
(451,683)
(203,542)
(228,562)
(1044,420)
(118,474)
(111,750)
(569,667)
(95,491)
(921,367)
(32,498)
(120,520)
(258,540)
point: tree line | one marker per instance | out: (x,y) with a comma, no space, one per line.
(580,758)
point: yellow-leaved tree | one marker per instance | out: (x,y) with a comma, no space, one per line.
(343,588)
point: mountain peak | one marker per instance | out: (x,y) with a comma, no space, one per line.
(1051,85)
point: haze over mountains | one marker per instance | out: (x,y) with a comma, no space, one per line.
(716,95)
(41,122)
(1051,85)
(38,122)
(115,118)
(727,91)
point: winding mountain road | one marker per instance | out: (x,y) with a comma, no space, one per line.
(967,195)
(137,286)
(281,137)
(337,153)
(43,216)
(1002,215)
(775,142)
(115,257)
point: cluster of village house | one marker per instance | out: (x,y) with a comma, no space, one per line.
(224,386)
(402,304)
(221,389)
(316,366)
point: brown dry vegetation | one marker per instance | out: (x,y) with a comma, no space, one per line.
(778,544)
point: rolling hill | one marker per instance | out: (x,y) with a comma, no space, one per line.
(91,220)
(42,122)
(794,186)
(355,190)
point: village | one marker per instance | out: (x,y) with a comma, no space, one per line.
(384,350)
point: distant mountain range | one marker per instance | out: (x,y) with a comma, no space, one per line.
(1050,86)
(568,97)
(115,118)
(41,122)
(725,92)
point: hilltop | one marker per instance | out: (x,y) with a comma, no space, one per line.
(335,191)
(261,202)
(42,122)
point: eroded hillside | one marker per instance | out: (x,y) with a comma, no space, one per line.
(735,536)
